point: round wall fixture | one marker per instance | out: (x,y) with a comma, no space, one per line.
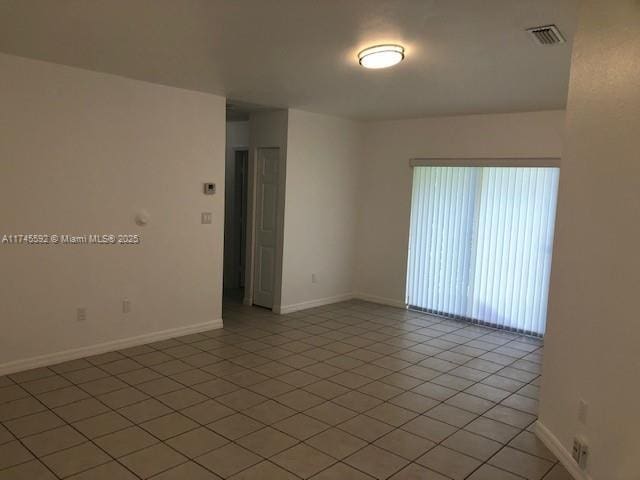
(381,56)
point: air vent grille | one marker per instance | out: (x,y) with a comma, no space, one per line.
(547,35)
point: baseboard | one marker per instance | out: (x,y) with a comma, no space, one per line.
(314,303)
(73,354)
(561,453)
(380,300)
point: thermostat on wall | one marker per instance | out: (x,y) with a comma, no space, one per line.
(209,188)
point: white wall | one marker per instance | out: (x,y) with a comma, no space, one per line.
(385,195)
(323,174)
(237,138)
(592,346)
(82,152)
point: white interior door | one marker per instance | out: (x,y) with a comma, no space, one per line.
(266,231)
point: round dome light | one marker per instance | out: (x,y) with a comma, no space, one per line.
(381,56)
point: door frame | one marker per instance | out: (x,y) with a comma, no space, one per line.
(251,226)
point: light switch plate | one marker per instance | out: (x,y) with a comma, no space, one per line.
(206,218)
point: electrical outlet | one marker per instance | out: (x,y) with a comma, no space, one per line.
(81,314)
(576,450)
(126,305)
(580,452)
(314,278)
(584,454)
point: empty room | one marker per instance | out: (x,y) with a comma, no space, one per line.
(326,240)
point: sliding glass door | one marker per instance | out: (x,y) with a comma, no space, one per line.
(480,244)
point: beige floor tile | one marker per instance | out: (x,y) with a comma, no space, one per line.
(299,400)
(357,401)
(300,426)
(180,399)
(103,385)
(381,391)
(235,426)
(123,397)
(33,470)
(405,444)
(186,471)
(263,471)
(522,403)
(143,411)
(451,415)
(169,425)
(391,414)
(12,392)
(366,428)
(107,471)
(500,432)
(429,428)
(510,416)
(19,408)
(207,412)
(414,402)
(470,403)
(85,375)
(102,424)
(272,388)
(228,460)
(76,459)
(432,390)
(32,424)
(30,375)
(197,442)
(269,412)
(473,445)
(326,389)
(5,435)
(125,441)
(523,464)
(376,462)
(350,380)
(558,472)
(529,443)
(267,442)
(298,378)
(488,472)
(44,443)
(141,375)
(334,377)
(336,443)
(13,453)
(152,460)
(159,386)
(341,471)
(449,462)
(303,460)
(241,399)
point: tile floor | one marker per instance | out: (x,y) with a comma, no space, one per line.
(350,391)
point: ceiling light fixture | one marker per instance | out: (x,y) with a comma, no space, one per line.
(381,56)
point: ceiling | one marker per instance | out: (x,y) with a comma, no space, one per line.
(462,56)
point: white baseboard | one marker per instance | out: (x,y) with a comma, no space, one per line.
(380,300)
(73,354)
(561,453)
(295,307)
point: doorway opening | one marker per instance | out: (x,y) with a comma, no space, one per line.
(235,236)
(254,206)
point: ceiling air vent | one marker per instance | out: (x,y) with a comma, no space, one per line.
(547,35)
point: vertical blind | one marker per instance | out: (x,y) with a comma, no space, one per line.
(480,244)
